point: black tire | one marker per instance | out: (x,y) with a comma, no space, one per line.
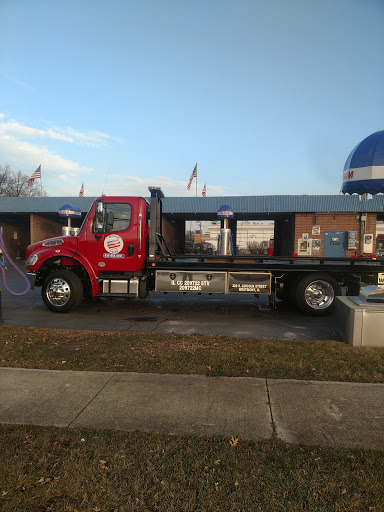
(62,291)
(315,294)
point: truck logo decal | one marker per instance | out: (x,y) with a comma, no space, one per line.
(113,244)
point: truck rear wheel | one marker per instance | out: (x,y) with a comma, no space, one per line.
(315,294)
(62,291)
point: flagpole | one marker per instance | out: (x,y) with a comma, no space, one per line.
(41,183)
(196,179)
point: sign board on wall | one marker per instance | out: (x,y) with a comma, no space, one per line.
(352,239)
(316,246)
(316,230)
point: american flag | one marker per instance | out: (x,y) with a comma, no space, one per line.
(35,175)
(193,175)
(113,244)
(204,191)
(81,193)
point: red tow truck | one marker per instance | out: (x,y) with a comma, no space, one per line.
(120,251)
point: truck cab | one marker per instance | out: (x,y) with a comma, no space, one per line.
(106,257)
(113,238)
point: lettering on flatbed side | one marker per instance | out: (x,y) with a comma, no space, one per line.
(192,283)
(249,288)
(249,282)
(184,281)
(213,282)
(191,286)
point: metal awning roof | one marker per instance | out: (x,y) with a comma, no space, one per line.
(42,204)
(199,206)
(274,204)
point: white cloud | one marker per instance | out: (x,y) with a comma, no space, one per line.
(24,147)
(51,134)
(24,155)
(89,139)
(67,134)
(135,186)
(20,130)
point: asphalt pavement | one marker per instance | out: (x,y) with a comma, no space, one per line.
(224,315)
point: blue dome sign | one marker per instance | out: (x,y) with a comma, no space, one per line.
(70,211)
(225,212)
(364,168)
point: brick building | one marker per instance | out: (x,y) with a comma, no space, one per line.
(331,226)
(305,225)
(26,220)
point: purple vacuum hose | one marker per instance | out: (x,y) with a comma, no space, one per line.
(28,287)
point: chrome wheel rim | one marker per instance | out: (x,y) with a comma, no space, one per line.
(319,294)
(58,292)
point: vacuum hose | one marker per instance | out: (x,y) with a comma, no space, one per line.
(2,267)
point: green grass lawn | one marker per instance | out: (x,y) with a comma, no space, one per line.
(51,469)
(65,470)
(176,353)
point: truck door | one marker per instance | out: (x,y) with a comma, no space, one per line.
(116,240)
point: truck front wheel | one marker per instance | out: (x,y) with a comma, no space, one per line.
(315,294)
(62,291)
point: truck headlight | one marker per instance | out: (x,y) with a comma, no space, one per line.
(32,260)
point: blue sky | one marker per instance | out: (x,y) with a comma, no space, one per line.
(268,97)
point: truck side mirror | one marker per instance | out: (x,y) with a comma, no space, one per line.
(99,220)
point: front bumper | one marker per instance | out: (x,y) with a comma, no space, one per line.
(32,278)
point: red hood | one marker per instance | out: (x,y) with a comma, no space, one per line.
(68,242)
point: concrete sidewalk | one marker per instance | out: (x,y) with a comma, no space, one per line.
(324,413)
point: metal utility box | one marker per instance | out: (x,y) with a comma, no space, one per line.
(249,282)
(368,243)
(121,286)
(214,282)
(361,319)
(304,246)
(198,282)
(335,244)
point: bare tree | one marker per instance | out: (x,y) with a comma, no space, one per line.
(5,175)
(15,184)
(257,247)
